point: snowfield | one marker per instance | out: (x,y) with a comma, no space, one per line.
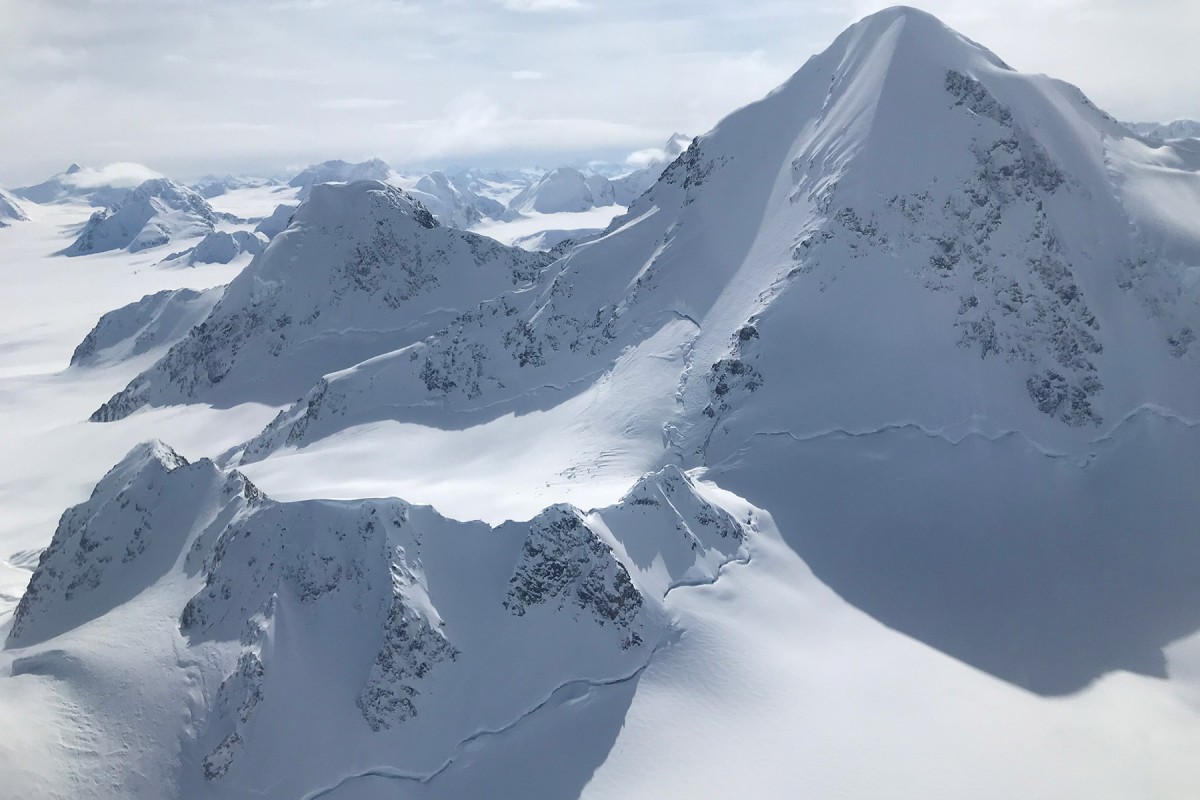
(854,457)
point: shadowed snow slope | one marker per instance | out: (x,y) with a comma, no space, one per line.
(362,269)
(372,619)
(10,209)
(157,320)
(921,237)
(914,320)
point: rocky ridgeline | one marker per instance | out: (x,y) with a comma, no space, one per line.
(434,604)
(155,213)
(363,269)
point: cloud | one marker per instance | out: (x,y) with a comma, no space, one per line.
(122,175)
(356,103)
(340,79)
(531,6)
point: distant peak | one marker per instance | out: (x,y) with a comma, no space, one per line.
(71,170)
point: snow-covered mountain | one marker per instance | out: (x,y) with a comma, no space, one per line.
(562,190)
(221,247)
(407,615)
(104,186)
(914,336)
(277,221)
(1179,129)
(212,186)
(924,241)
(156,321)
(338,171)
(155,213)
(362,269)
(10,209)
(647,166)
(452,203)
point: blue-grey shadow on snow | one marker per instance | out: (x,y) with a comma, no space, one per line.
(1040,570)
(551,754)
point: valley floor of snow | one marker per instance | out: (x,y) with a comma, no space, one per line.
(778,688)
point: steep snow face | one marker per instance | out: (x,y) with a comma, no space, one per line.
(277,222)
(362,269)
(921,235)
(375,621)
(560,190)
(10,209)
(221,247)
(156,321)
(339,172)
(155,213)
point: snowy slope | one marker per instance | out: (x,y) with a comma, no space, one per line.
(648,165)
(923,246)
(338,171)
(374,620)
(1179,129)
(278,220)
(221,247)
(154,214)
(451,203)
(10,209)
(362,268)
(561,190)
(156,321)
(900,365)
(925,241)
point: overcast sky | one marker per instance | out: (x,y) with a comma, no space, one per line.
(196,86)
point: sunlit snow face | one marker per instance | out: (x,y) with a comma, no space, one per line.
(243,86)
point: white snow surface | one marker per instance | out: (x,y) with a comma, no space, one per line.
(155,213)
(561,190)
(567,223)
(885,398)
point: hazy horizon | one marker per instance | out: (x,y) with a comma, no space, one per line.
(267,86)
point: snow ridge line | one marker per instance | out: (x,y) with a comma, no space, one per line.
(1142,410)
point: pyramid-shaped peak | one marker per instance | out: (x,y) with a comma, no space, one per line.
(71,170)
(908,33)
